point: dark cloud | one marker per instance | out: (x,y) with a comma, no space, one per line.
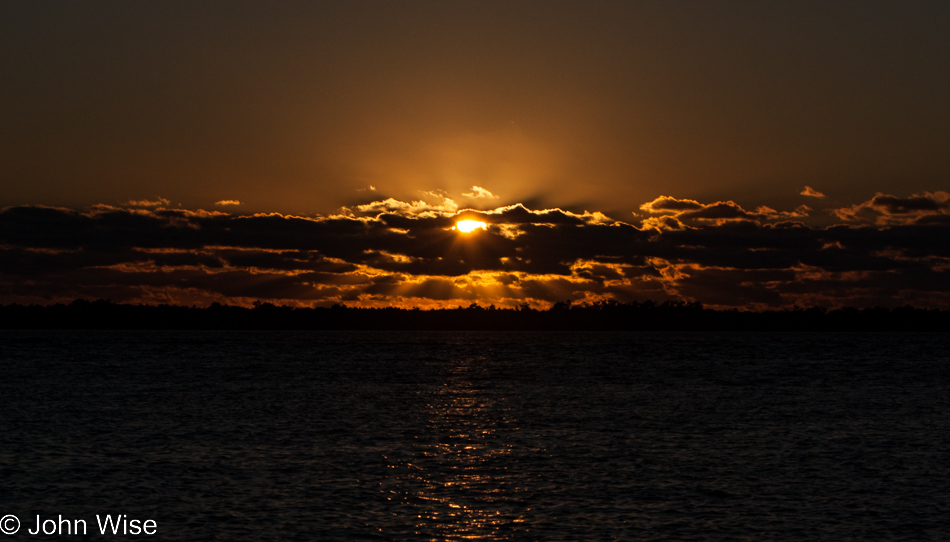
(667,204)
(913,204)
(721,210)
(676,213)
(888,209)
(718,254)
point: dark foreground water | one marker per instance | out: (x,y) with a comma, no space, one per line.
(446,436)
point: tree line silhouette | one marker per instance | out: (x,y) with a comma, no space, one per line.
(604,315)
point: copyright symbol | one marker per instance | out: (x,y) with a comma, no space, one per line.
(9,524)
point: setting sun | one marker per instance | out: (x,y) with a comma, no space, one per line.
(468,226)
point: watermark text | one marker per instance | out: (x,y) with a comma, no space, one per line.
(104,524)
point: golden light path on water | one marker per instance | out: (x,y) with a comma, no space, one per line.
(459,481)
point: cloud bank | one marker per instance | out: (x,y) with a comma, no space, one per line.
(886,251)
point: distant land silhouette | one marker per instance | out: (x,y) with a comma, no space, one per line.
(604,315)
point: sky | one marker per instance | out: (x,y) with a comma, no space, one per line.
(739,154)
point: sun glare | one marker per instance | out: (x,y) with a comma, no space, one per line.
(468,226)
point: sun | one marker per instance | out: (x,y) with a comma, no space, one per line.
(468,226)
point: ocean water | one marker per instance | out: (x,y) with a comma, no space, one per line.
(487,436)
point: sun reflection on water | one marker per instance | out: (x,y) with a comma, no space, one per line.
(458,482)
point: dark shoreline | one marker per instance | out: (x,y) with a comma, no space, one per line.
(604,316)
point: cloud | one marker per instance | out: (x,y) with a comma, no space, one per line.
(680,213)
(394,252)
(226,202)
(811,192)
(721,210)
(885,209)
(669,205)
(479,193)
(411,208)
(147,203)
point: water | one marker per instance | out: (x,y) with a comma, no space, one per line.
(493,436)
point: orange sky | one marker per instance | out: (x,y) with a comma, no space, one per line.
(294,106)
